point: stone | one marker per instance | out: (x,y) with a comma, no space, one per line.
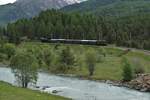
(142,83)
(55,91)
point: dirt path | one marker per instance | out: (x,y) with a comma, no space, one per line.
(147,52)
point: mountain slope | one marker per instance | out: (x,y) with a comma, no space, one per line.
(29,8)
(111,7)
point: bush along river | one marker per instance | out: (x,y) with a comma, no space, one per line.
(77,89)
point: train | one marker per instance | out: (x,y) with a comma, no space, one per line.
(75,41)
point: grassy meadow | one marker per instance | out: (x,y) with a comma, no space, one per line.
(108,65)
(109,59)
(8,92)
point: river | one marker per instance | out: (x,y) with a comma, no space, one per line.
(79,89)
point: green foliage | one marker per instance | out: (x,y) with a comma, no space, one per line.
(66,60)
(129,31)
(3,41)
(127,70)
(3,57)
(111,7)
(45,57)
(48,57)
(24,66)
(41,52)
(8,49)
(90,60)
(138,67)
(101,54)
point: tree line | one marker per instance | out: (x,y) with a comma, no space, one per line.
(129,31)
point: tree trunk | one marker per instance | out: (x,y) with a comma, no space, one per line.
(91,69)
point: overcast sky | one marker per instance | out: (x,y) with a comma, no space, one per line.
(6,1)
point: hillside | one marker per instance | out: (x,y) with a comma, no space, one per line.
(129,31)
(29,8)
(111,7)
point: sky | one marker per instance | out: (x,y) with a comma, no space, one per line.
(2,2)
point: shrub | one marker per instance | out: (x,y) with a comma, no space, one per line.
(138,67)
(90,60)
(8,49)
(66,60)
(127,70)
(2,57)
(24,65)
(101,54)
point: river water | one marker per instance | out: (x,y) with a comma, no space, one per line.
(79,89)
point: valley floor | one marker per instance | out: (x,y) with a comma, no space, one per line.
(107,68)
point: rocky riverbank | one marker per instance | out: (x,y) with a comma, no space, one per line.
(140,83)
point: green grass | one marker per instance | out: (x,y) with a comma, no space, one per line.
(110,68)
(8,92)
